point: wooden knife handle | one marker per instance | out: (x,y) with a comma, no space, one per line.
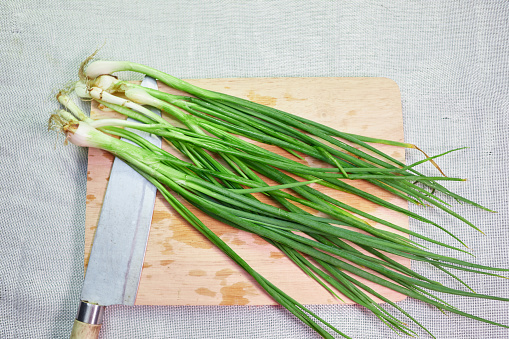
(88,321)
(85,331)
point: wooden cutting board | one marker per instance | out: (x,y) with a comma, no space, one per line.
(182,268)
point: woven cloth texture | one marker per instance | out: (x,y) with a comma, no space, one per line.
(449,58)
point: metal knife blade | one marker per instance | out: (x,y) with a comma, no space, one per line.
(118,250)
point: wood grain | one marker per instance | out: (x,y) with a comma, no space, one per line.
(84,331)
(182,268)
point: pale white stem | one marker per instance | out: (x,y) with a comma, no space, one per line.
(99,94)
(101,67)
(141,97)
(82,134)
(81,90)
(65,100)
(66,116)
(106,82)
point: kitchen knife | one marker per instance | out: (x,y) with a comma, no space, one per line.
(118,250)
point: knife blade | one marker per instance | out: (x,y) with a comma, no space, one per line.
(118,249)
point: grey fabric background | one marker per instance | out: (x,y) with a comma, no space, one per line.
(449,58)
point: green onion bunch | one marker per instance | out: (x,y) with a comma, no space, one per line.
(225,176)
